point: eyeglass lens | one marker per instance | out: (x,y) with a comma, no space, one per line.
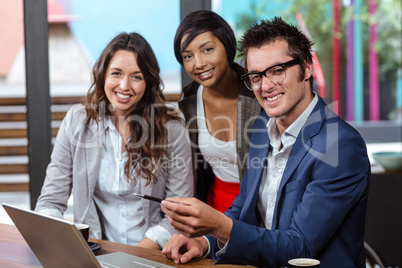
(276,75)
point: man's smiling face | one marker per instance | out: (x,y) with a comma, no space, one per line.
(287,99)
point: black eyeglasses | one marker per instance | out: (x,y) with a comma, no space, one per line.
(276,74)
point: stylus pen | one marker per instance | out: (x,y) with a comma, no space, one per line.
(152,198)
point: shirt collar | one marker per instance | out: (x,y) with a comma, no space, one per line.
(108,123)
(294,129)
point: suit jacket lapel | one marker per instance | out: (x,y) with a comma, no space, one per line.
(95,135)
(95,141)
(189,108)
(301,147)
(247,110)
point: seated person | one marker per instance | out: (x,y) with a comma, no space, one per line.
(218,108)
(304,193)
(122,140)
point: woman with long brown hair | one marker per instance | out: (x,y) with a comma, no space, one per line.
(123,139)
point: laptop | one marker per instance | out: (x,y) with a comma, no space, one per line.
(58,243)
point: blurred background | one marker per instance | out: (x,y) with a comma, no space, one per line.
(357,70)
(357,44)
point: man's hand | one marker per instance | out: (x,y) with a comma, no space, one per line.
(182,249)
(193,218)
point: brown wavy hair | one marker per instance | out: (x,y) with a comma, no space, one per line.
(146,147)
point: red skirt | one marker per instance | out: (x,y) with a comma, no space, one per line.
(221,194)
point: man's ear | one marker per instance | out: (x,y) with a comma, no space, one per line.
(308,71)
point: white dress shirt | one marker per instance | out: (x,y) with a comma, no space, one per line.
(278,155)
(120,212)
(276,164)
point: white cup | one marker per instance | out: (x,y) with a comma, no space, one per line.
(304,262)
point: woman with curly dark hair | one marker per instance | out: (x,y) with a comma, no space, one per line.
(123,139)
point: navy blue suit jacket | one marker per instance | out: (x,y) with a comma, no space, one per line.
(321,203)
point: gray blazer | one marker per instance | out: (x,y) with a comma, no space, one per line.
(74,168)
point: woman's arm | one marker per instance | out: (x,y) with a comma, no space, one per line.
(179,179)
(58,182)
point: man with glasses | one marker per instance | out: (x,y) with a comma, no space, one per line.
(304,193)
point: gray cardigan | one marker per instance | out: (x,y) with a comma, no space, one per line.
(248,109)
(74,167)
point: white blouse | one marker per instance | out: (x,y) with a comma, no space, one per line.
(120,211)
(220,155)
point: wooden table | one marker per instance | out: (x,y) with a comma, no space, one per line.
(15,252)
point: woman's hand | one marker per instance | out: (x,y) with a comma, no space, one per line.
(148,243)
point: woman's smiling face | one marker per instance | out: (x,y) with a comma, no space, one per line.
(124,82)
(205,59)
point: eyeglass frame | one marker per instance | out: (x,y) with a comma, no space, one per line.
(264,73)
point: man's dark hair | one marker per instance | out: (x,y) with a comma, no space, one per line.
(268,31)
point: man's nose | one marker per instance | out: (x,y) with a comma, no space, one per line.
(266,83)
